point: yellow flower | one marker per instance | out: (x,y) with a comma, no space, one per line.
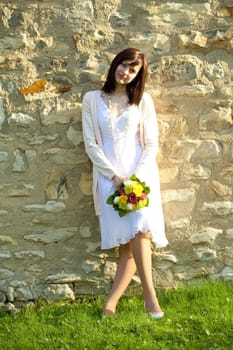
(134,187)
(137,189)
(123,199)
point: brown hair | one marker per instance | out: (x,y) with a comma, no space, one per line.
(136,87)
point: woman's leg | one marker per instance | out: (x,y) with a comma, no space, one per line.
(141,248)
(125,271)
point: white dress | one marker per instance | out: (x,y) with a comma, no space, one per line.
(121,146)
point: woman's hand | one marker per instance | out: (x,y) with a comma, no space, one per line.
(117,180)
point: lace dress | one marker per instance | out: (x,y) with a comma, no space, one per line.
(121,146)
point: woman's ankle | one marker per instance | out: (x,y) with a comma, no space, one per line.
(108,312)
(152,306)
(109,308)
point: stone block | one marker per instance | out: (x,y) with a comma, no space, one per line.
(91,287)
(178,203)
(2,112)
(61,278)
(181,68)
(19,164)
(207,152)
(226,273)
(56,292)
(217,119)
(5,240)
(205,235)
(179,195)
(195,90)
(5,274)
(57,185)
(66,157)
(50,207)
(5,255)
(74,136)
(52,235)
(25,254)
(85,183)
(218,208)
(167,175)
(84,231)
(195,172)
(89,266)
(229,233)
(21,119)
(221,189)
(205,254)
(11,44)
(3,156)
(120,19)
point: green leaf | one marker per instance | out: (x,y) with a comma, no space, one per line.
(122,212)
(134,178)
(110,200)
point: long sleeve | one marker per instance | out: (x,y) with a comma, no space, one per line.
(149,136)
(92,137)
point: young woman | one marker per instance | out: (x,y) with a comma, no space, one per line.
(121,138)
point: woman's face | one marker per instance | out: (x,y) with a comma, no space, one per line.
(125,73)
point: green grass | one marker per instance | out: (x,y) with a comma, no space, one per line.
(196,317)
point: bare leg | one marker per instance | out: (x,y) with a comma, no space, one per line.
(141,248)
(124,274)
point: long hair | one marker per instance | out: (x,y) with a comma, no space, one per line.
(136,87)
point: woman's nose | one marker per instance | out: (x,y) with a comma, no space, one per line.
(126,70)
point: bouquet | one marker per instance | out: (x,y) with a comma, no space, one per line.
(131,195)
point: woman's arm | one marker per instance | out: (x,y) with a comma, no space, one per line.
(92,148)
(150,136)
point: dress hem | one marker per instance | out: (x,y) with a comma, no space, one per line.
(159,244)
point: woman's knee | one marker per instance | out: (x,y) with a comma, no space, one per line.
(146,235)
(125,249)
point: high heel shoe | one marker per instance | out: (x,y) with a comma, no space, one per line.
(156,315)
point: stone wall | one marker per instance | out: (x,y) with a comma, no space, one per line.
(51,53)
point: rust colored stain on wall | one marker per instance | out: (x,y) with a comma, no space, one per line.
(37,86)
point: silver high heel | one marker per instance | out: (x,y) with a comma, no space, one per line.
(155,315)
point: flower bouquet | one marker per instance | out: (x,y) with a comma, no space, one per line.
(131,195)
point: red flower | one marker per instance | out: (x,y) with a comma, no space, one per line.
(143,196)
(121,191)
(132,198)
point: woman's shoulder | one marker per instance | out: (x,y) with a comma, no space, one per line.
(146,96)
(146,99)
(91,94)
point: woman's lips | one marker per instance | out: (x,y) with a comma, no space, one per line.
(122,76)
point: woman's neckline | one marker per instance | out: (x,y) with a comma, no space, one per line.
(116,104)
